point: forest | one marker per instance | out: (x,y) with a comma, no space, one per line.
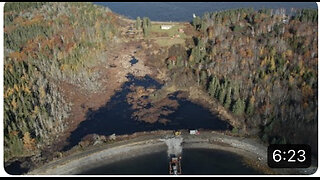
(261,65)
(44,44)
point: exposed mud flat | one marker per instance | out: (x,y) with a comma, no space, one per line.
(147,110)
(113,73)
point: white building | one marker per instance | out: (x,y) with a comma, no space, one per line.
(194,132)
(166,27)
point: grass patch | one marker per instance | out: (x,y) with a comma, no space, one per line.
(167,37)
(162,42)
(156,28)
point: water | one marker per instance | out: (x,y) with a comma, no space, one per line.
(182,11)
(133,61)
(15,168)
(115,116)
(194,162)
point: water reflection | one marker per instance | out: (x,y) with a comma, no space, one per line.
(194,162)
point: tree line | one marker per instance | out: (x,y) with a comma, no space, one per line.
(262,67)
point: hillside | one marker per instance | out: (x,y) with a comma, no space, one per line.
(261,66)
(47,47)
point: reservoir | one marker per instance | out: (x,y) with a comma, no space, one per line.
(116,116)
(182,11)
(194,162)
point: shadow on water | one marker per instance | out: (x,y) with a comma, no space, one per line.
(115,116)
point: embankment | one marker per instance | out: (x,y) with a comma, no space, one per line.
(253,153)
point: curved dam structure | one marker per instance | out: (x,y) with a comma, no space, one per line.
(250,151)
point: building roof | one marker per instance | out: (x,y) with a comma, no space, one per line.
(166,26)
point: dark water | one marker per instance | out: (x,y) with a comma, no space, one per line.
(133,61)
(182,11)
(15,168)
(116,118)
(194,162)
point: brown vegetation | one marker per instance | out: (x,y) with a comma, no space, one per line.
(148,110)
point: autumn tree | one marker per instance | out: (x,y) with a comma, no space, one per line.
(28,142)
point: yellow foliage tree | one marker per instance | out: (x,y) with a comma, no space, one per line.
(272,65)
(261,51)
(15,86)
(8,93)
(26,89)
(42,93)
(28,142)
(264,62)
(35,111)
(289,53)
(14,103)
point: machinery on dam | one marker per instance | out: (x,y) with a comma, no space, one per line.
(175,165)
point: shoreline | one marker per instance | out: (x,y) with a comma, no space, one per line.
(129,20)
(252,152)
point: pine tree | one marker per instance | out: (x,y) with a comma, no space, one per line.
(145,26)
(138,23)
(148,23)
(222,95)
(250,106)
(196,22)
(227,101)
(203,25)
(238,107)
(203,78)
(213,87)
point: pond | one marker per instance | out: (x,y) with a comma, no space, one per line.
(133,61)
(15,168)
(193,162)
(116,116)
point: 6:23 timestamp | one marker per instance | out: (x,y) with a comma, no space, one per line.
(289,156)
